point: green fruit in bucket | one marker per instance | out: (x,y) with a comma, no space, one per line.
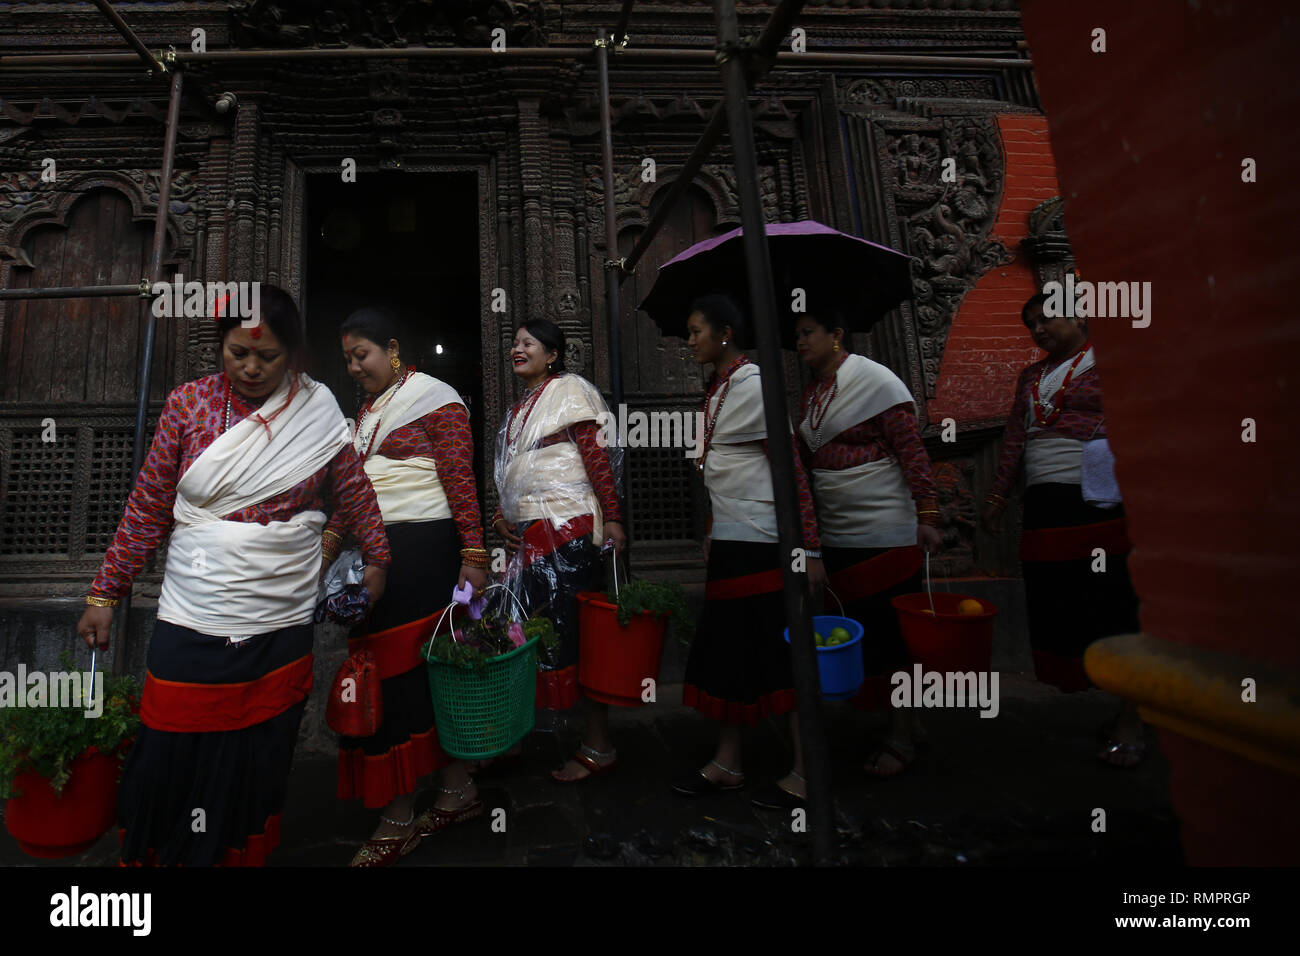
(821,639)
(840,636)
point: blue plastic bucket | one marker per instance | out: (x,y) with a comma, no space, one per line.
(839,667)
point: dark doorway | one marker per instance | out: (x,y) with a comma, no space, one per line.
(407,241)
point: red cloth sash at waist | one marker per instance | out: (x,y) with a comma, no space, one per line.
(190,708)
(877,574)
(1073,543)
(747,585)
(542,537)
(397,650)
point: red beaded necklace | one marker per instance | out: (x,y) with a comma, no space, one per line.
(819,406)
(1045,413)
(722,381)
(526,405)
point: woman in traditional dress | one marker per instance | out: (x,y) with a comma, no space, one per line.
(877,507)
(1056,432)
(739,666)
(244,465)
(413,435)
(559,504)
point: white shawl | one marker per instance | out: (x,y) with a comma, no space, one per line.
(237,579)
(863,389)
(549,483)
(736,472)
(408,489)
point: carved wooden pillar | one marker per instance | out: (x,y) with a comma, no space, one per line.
(533,163)
(245,192)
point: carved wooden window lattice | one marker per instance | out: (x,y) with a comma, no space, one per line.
(667,504)
(61,500)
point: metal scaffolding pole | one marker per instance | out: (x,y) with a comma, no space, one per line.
(778,26)
(620,31)
(612,281)
(129,35)
(73,292)
(785,59)
(151,327)
(758,266)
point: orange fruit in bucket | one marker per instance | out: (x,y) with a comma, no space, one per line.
(970,607)
(926,610)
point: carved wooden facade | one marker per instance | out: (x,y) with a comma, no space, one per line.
(856,147)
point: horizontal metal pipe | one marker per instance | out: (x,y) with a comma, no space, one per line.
(785,59)
(68,292)
(130,36)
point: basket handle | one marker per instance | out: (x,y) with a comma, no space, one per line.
(837,599)
(522,610)
(928,592)
(445,617)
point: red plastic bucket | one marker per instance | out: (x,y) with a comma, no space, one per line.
(946,640)
(613,660)
(51,825)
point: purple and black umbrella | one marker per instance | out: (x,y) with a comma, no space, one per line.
(862,279)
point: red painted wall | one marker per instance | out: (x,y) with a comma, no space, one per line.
(988,345)
(1150,137)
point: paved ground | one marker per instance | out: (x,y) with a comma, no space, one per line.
(1020,789)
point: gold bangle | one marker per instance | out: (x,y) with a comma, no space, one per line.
(992,497)
(333,534)
(102,602)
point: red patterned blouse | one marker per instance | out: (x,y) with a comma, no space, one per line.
(443,435)
(190,422)
(1081,418)
(894,433)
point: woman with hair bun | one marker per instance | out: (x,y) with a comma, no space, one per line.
(243,465)
(559,503)
(413,437)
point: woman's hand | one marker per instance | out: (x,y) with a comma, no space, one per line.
(614,532)
(477,578)
(513,541)
(929,538)
(374,579)
(816,577)
(991,518)
(95,625)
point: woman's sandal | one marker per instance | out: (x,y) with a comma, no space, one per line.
(590,759)
(1132,748)
(698,785)
(385,851)
(776,797)
(891,748)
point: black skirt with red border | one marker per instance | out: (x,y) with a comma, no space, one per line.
(1069,604)
(425,569)
(205,781)
(558,564)
(739,666)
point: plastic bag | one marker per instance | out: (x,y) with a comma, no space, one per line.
(547,499)
(341,596)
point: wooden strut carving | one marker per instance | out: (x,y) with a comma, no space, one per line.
(945,224)
(395,23)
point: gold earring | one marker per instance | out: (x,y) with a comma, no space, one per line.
(395,363)
(837,346)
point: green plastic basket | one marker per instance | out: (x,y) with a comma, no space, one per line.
(484,713)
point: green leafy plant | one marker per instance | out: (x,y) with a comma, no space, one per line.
(48,739)
(661,600)
(476,643)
